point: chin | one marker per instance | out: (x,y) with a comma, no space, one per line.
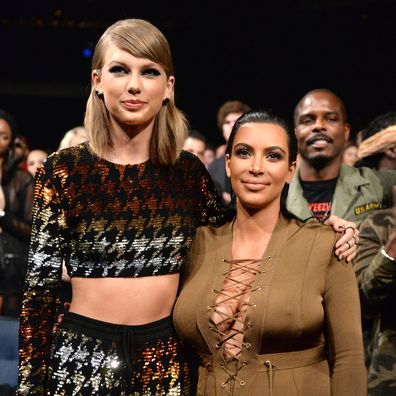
(252,206)
(319,162)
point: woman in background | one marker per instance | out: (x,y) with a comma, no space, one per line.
(16,197)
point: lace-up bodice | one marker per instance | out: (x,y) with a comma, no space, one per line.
(232,302)
(263,326)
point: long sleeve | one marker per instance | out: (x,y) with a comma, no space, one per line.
(343,331)
(41,299)
(388,180)
(375,273)
(212,210)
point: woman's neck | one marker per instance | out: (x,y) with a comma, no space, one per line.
(130,143)
(252,230)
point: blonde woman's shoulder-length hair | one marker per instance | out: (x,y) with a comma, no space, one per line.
(143,40)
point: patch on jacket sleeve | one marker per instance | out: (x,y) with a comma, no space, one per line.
(367,207)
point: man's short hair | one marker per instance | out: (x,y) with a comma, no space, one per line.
(193,133)
(321,90)
(231,106)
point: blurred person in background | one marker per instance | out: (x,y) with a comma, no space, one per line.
(73,137)
(16,197)
(195,143)
(34,160)
(21,150)
(209,155)
(227,114)
(377,149)
(349,156)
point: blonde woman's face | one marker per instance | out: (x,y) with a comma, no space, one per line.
(133,88)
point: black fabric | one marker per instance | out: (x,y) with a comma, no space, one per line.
(92,357)
(218,174)
(6,390)
(319,195)
(15,227)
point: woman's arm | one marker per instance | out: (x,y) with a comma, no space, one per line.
(41,298)
(343,331)
(211,208)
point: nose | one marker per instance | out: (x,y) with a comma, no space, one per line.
(257,165)
(319,123)
(134,84)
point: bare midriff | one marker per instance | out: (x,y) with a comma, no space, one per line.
(128,301)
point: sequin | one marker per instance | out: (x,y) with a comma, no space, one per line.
(85,365)
(104,220)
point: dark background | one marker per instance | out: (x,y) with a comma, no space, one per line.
(266,54)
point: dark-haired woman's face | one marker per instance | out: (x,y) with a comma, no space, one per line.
(5,137)
(259,165)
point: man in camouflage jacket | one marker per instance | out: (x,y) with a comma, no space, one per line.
(375,266)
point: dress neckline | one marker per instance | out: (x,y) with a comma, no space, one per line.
(114,164)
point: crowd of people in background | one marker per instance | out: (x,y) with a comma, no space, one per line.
(336,172)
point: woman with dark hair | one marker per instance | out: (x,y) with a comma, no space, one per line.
(16,198)
(265,303)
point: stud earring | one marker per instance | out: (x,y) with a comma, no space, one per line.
(165,102)
(99,94)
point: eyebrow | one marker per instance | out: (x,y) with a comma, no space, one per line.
(144,65)
(311,114)
(271,148)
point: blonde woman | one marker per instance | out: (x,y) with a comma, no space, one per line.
(121,211)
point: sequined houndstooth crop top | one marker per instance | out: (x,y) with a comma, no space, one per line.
(106,220)
(110,220)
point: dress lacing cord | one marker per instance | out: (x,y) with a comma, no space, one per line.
(270,373)
(229,311)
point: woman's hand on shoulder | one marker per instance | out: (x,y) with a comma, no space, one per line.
(346,246)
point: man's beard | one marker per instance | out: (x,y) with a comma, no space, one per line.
(318,162)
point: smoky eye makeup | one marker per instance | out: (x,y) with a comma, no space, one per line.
(151,71)
(117,69)
(241,150)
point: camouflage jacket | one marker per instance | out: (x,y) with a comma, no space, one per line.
(359,192)
(376,276)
